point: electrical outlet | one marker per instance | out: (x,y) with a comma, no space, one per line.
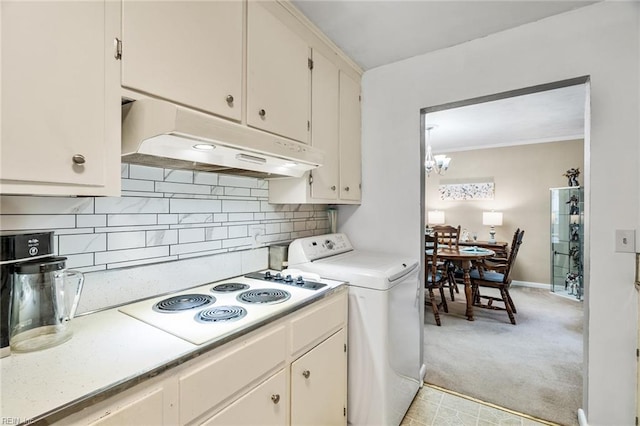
(625,240)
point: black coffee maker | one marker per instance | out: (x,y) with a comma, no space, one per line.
(16,248)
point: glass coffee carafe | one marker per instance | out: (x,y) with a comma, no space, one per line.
(44,299)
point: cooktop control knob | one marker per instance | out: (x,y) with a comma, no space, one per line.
(278,276)
(288,279)
(300,280)
(328,244)
(267,275)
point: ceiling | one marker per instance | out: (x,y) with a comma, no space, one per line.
(376,33)
(549,116)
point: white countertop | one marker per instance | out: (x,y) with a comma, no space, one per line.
(108,348)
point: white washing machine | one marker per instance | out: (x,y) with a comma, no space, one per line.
(384,324)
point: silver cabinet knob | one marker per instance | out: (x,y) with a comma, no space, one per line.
(262,113)
(275,398)
(346,188)
(306,374)
(78,159)
(333,187)
(229,99)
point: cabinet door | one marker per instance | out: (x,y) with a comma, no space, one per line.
(278,75)
(266,404)
(350,163)
(189,52)
(324,125)
(319,384)
(55,95)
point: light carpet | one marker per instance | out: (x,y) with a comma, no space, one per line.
(534,367)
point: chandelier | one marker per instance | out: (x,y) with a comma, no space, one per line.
(435,163)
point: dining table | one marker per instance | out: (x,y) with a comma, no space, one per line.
(464,258)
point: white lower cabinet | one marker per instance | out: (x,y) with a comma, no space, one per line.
(290,372)
(266,404)
(318,384)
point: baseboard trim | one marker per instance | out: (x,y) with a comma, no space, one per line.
(530,284)
(582,418)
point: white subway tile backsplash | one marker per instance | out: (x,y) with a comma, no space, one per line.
(195,218)
(205,178)
(125,240)
(237,192)
(131,219)
(79,260)
(180,176)
(218,233)
(229,180)
(238,242)
(144,172)
(183,188)
(131,254)
(141,194)
(91,220)
(196,247)
(163,215)
(167,219)
(193,235)
(178,205)
(161,238)
(141,262)
(131,205)
(138,185)
(273,228)
(83,243)
(240,217)
(236,206)
(13,222)
(44,205)
(299,226)
(237,231)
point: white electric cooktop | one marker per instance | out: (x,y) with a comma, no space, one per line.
(216,310)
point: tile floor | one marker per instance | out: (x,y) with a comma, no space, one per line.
(435,407)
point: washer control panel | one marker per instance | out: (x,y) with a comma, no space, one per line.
(312,248)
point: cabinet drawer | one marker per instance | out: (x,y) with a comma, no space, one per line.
(217,379)
(318,322)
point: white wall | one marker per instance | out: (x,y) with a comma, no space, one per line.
(601,41)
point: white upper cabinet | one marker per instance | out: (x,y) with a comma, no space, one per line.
(335,129)
(60,98)
(278,75)
(324,126)
(188,52)
(350,133)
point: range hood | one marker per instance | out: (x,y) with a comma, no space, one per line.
(161,134)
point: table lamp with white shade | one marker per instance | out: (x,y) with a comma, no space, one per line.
(435,217)
(492,219)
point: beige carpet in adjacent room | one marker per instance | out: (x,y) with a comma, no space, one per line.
(534,367)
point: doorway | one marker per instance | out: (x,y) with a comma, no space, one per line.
(537,161)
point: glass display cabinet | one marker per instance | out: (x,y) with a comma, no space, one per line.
(567,241)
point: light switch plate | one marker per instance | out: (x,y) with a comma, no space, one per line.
(625,240)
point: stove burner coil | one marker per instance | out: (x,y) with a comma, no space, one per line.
(183,302)
(221,314)
(229,287)
(264,296)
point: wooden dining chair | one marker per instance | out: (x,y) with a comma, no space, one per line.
(449,235)
(498,280)
(435,279)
